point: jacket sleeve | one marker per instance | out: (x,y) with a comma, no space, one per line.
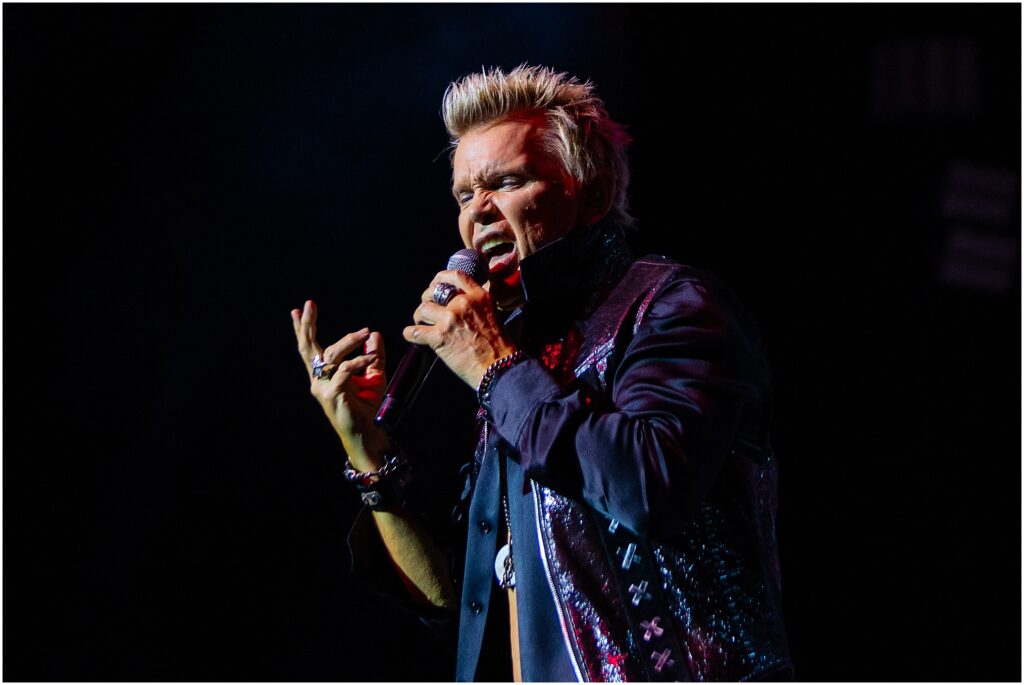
(647,452)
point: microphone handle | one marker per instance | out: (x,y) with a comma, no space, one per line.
(404,386)
(419,360)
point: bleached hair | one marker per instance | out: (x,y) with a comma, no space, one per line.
(579,131)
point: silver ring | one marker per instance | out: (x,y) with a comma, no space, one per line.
(319,371)
(443,293)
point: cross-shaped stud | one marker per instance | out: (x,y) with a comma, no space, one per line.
(652,628)
(640,593)
(629,557)
(662,660)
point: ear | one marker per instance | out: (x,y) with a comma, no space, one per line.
(596,200)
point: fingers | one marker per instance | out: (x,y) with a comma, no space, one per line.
(429,313)
(347,369)
(304,325)
(375,345)
(423,335)
(298,326)
(345,346)
(457,278)
(434,321)
(308,324)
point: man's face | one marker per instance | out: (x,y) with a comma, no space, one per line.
(514,197)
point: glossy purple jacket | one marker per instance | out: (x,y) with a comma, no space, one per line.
(645,409)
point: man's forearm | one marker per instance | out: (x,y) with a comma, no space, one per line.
(421,565)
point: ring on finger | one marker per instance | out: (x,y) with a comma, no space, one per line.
(443,293)
(321,369)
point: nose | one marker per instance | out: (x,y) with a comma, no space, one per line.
(482,209)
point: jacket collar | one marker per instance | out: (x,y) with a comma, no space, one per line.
(567,279)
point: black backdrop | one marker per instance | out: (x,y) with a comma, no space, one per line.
(178,177)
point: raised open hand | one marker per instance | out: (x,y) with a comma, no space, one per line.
(349,391)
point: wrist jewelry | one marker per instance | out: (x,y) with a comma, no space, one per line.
(483,391)
(384,488)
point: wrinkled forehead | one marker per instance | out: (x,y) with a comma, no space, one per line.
(516,140)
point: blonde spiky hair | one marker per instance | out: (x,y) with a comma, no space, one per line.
(580,133)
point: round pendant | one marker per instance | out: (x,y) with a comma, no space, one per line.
(503,568)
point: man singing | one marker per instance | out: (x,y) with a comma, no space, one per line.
(622,507)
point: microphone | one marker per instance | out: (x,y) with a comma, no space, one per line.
(419,360)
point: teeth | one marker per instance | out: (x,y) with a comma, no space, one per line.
(492,243)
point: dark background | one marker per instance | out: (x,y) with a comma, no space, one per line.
(177,178)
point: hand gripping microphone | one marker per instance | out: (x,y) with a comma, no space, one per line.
(419,360)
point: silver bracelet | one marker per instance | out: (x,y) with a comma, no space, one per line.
(394,460)
(385,488)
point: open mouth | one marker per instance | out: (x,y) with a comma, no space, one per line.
(500,253)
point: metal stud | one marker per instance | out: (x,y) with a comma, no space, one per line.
(629,557)
(662,660)
(640,593)
(651,628)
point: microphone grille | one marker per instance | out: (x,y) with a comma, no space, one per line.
(474,264)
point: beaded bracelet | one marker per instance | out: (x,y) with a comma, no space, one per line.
(483,390)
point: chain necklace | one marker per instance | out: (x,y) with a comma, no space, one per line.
(504,570)
(503,561)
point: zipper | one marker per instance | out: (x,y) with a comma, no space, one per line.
(551,586)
